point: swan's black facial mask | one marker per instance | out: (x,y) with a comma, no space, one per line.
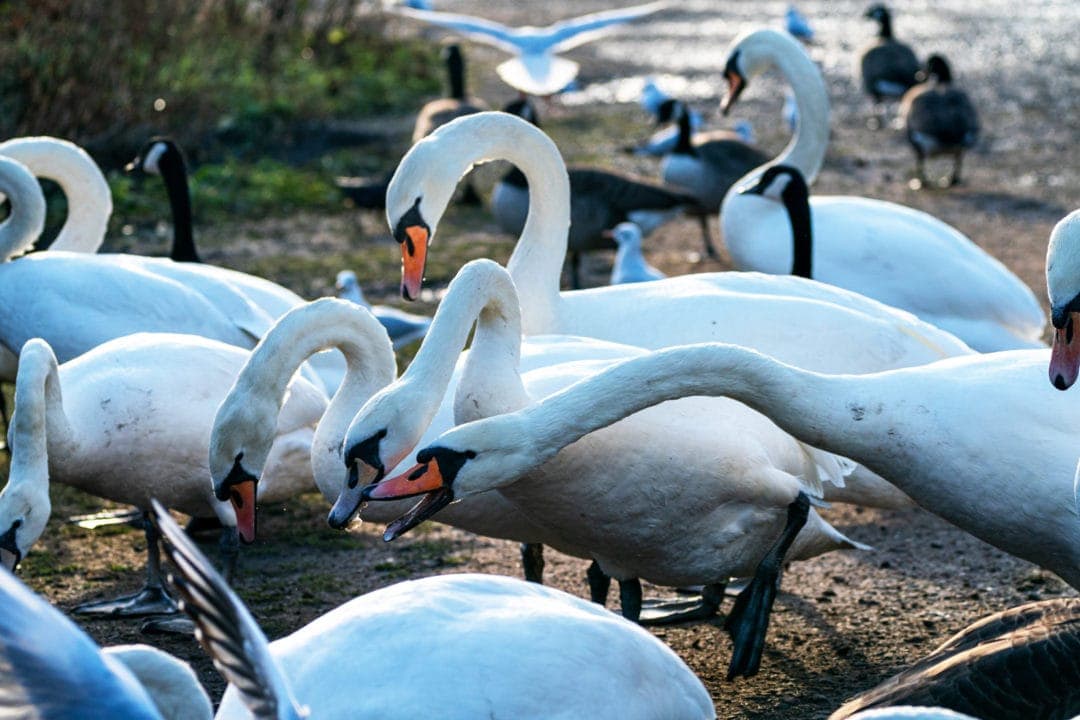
(413,232)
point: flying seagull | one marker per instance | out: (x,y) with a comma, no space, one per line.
(535,68)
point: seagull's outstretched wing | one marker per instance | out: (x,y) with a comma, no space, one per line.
(570,33)
(479,29)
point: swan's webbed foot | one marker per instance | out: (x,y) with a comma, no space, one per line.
(669,613)
(169,626)
(748,621)
(599,584)
(532,562)
(150,600)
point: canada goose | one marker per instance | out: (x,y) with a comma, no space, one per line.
(463,645)
(53,669)
(402,327)
(599,200)
(939,119)
(705,166)
(161,156)
(630,265)
(1019,664)
(893,253)
(536,68)
(888,67)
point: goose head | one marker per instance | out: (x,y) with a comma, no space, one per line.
(1063,285)
(157,152)
(751,54)
(878,13)
(240,443)
(937,68)
(24,511)
(467,460)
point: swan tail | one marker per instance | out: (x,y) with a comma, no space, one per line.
(226,629)
(826,469)
(819,537)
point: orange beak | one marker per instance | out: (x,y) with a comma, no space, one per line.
(1065,356)
(417,480)
(413,260)
(734,89)
(242,497)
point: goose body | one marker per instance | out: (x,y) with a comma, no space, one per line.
(900,256)
(112,424)
(1032,650)
(439,112)
(455,646)
(54,671)
(887,66)
(939,118)
(536,68)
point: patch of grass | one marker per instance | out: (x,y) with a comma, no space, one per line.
(44,563)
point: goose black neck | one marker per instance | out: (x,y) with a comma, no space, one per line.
(885,25)
(796,199)
(683,146)
(455,71)
(174,173)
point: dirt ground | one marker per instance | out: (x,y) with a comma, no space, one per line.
(844,621)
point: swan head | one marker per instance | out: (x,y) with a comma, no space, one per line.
(24,512)
(240,443)
(465,461)
(379,437)
(1063,286)
(749,55)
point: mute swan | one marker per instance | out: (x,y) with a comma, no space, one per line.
(54,670)
(906,712)
(76,301)
(888,67)
(939,119)
(536,68)
(404,328)
(1063,286)
(461,646)
(630,265)
(113,423)
(599,200)
(241,438)
(1016,664)
(900,256)
(694,491)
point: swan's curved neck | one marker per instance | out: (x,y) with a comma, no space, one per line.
(39,419)
(806,150)
(482,293)
(321,325)
(811,406)
(89,199)
(536,263)
(26,219)
(174,174)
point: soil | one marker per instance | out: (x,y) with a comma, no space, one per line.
(842,622)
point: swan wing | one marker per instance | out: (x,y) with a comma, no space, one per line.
(225,628)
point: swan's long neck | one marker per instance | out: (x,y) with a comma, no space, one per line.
(39,419)
(26,219)
(174,173)
(536,263)
(810,406)
(89,198)
(806,150)
(482,293)
(321,325)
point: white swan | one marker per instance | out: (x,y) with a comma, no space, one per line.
(53,669)
(456,646)
(130,420)
(77,300)
(693,491)
(88,195)
(1063,286)
(900,256)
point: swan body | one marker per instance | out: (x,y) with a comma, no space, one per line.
(536,68)
(906,712)
(1031,650)
(455,646)
(53,670)
(900,256)
(88,195)
(112,423)
(403,327)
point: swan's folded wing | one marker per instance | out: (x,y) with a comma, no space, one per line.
(475,28)
(570,33)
